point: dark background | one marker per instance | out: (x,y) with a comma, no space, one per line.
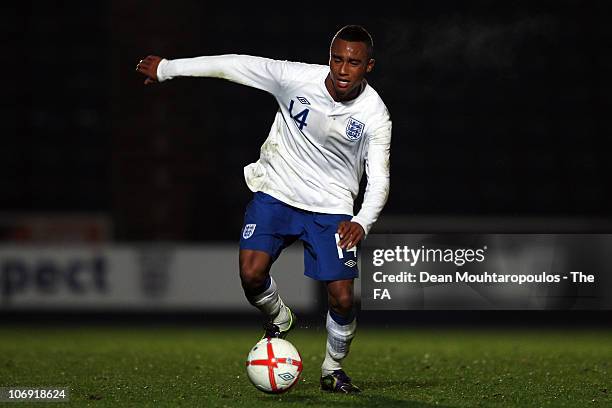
(498,108)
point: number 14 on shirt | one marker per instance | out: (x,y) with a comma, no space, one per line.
(300,118)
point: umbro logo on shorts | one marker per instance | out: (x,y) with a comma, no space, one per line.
(350,263)
(248,230)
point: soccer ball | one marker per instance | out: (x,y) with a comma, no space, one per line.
(274,365)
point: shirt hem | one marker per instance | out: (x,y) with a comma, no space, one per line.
(305,207)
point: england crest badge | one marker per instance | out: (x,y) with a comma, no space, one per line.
(248,230)
(354,129)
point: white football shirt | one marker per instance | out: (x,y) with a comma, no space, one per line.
(317,149)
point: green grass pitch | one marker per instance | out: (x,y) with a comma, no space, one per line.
(408,368)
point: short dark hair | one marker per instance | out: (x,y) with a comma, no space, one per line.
(356,33)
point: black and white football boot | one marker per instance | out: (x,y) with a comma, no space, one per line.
(338,381)
(272,330)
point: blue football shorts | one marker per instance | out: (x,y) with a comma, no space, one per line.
(271,226)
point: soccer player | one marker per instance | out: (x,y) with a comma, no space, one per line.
(331,126)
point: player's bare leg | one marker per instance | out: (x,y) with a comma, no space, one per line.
(341,325)
(261,291)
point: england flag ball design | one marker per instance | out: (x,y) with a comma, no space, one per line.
(274,365)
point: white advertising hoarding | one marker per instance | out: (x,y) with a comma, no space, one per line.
(161,277)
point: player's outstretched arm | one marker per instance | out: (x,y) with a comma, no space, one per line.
(257,72)
(148,67)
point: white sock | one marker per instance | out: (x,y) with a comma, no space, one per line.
(271,304)
(339,339)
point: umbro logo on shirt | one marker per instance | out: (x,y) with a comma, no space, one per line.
(303,100)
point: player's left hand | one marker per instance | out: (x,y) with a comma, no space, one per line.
(351,233)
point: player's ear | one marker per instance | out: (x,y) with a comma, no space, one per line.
(370,65)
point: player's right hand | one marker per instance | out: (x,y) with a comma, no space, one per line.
(148,67)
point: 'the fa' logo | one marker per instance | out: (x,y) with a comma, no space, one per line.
(354,129)
(249,229)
